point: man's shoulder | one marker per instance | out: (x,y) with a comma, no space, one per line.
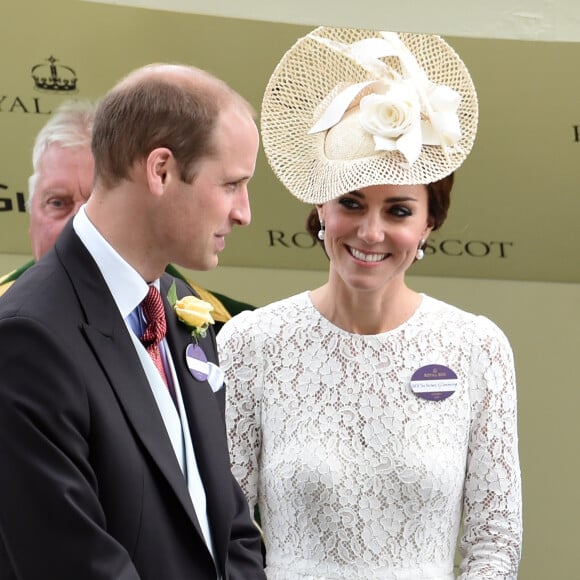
(8,279)
(43,283)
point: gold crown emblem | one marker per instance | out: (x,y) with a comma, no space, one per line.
(53,77)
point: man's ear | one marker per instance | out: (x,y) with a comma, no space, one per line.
(159,167)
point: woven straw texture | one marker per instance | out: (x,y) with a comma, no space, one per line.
(309,74)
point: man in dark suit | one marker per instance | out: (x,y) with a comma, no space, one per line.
(113,453)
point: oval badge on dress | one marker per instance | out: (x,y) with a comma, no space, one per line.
(434,382)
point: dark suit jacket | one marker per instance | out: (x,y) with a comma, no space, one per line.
(90,488)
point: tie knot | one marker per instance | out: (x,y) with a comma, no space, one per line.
(152,306)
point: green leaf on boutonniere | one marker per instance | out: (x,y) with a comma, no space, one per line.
(172,295)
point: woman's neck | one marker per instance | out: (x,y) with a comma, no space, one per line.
(365,311)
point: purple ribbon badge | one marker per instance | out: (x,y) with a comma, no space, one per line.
(197,362)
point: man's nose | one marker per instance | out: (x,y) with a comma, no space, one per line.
(241,213)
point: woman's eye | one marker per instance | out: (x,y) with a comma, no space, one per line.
(400,211)
(348,202)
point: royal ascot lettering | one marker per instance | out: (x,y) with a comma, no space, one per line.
(471,248)
(8,203)
(301,240)
(32,106)
(452,248)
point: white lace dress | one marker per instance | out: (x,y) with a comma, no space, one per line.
(355,475)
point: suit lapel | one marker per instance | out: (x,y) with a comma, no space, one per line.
(208,435)
(111,344)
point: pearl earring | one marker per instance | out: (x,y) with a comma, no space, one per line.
(420,252)
(321,232)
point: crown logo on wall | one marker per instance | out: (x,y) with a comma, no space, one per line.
(53,77)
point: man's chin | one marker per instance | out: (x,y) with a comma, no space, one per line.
(201,266)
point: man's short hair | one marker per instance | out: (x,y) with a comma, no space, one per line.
(172,106)
(70,126)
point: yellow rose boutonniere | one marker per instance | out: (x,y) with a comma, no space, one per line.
(193,312)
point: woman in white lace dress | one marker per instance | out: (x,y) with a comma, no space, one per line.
(374,426)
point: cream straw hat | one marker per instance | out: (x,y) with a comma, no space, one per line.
(349,108)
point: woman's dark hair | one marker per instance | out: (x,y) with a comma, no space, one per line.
(313,227)
(439,199)
(439,193)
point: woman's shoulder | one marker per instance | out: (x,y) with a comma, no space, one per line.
(268,318)
(448,314)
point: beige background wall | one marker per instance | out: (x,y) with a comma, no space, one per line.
(515,199)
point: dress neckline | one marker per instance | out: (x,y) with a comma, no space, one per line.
(336,329)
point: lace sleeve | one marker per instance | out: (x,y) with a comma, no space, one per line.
(492,525)
(240,361)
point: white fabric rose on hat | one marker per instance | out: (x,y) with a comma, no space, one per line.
(394,120)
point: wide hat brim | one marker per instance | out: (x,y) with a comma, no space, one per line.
(309,72)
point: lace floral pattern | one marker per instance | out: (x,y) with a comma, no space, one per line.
(357,477)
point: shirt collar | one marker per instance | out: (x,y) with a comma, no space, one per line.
(125,283)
